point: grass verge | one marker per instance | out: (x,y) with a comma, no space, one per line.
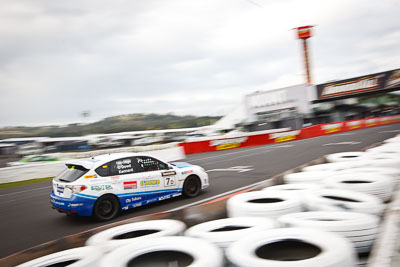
(19,183)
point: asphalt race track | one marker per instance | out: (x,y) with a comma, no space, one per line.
(26,218)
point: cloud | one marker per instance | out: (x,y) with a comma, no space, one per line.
(58,58)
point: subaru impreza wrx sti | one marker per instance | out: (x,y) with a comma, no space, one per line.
(104,185)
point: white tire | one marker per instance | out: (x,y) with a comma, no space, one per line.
(387,148)
(135,232)
(289,247)
(263,204)
(223,232)
(361,229)
(307,177)
(378,185)
(343,200)
(166,251)
(344,156)
(77,257)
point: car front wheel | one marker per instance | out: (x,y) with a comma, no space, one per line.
(191,186)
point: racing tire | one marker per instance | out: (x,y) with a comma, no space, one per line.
(224,232)
(270,204)
(118,236)
(76,257)
(343,200)
(166,251)
(191,186)
(106,208)
(360,228)
(391,148)
(292,247)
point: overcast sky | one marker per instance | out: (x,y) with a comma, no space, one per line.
(59,58)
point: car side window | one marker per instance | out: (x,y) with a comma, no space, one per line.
(103,170)
(149,164)
(117,167)
(122,166)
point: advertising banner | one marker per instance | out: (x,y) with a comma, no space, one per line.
(280,137)
(384,81)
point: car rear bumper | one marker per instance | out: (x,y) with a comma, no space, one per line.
(75,205)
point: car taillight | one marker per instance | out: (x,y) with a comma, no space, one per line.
(76,188)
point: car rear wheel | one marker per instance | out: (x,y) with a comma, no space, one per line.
(106,208)
(191,186)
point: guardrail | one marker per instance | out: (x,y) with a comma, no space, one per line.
(284,136)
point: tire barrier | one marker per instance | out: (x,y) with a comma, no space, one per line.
(118,236)
(343,200)
(307,177)
(76,257)
(299,188)
(270,204)
(166,251)
(395,139)
(345,156)
(336,166)
(289,247)
(383,162)
(386,148)
(391,172)
(360,228)
(381,186)
(224,232)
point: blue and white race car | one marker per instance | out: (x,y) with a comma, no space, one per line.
(103,185)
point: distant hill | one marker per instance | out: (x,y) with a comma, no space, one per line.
(131,122)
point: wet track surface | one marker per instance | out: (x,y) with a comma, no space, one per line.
(28,220)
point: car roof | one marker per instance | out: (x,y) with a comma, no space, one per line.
(96,161)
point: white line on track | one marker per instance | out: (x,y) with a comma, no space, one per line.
(391,131)
(265,147)
(24,191)
(13,200)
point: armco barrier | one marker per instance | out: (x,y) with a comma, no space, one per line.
(284,136)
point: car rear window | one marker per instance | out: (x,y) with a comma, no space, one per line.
(72,173)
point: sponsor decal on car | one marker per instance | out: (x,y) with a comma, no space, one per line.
(73,205)
(101,187)
(168,173)
(187,172)
(90,176)
(150,183)
(169,181)
(133,199)
(124,166)
(114,177)
(164,197)
(130,185)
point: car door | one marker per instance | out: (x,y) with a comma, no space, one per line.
(125,179)
(160,181)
